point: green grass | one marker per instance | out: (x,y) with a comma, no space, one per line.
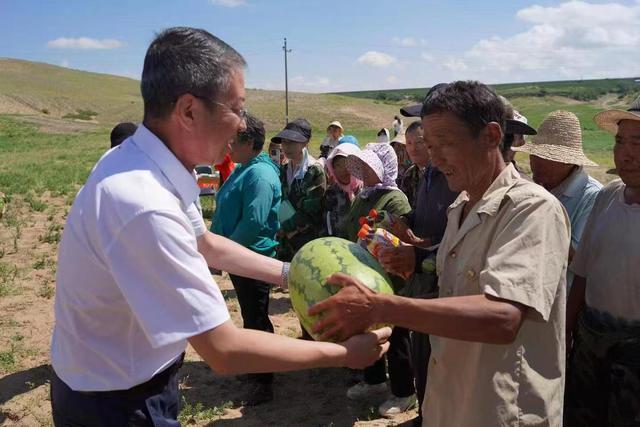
(35,162)
(198,413)
(580,90)
(8,274)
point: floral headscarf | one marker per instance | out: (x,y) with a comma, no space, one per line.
(382,159)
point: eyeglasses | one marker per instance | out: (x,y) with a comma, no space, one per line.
(241,113)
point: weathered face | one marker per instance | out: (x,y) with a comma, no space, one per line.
(626,152)
(215,128)
(417,148)
(340,171)
(460,156)
(293,150)
(548,173)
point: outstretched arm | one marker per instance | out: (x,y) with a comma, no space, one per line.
(231,350)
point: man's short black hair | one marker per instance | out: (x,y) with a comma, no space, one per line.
(414,126)
(474,103)
(254,133)
(185,60)
(122,131)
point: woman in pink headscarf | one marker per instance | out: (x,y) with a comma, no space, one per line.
(342,190)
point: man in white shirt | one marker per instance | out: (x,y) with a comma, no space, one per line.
(132,280)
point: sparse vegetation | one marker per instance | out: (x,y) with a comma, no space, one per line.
(8,273)
(53,234)
(81,114)
(198,413)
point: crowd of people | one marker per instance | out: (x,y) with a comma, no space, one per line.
(515,296)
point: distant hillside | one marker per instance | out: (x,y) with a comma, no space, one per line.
(579,90)
(46,93)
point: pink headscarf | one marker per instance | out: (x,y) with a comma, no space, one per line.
(343,150)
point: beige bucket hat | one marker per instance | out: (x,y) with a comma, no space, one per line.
(609,119)
(336,124)
(559,139)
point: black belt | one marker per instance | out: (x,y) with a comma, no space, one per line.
(154,385)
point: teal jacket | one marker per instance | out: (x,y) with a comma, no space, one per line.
(247,205)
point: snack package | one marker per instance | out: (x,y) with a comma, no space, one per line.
(375,240)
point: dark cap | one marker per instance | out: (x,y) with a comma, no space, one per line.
(517,127)
(298,130)
(415,109)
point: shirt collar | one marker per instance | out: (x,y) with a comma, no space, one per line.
(573,185)
(492,198)
(182,180)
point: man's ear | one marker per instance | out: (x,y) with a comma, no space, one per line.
(185,111)
(492,135)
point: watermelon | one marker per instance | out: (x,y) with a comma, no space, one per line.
(319,259)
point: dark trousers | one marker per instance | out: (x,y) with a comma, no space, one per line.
(153,403)
(253,297)
(420,353)
(399,360)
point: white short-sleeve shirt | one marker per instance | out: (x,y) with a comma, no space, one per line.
(131,286)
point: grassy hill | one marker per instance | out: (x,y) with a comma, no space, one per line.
(43,91)
(63,101)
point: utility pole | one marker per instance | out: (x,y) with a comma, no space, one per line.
(286,83)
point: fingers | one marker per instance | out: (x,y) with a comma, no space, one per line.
(333,333)
(320,307)
(382,335)
(340,279)
(383,349)
(323,323)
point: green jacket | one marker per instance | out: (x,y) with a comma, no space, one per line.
(391,201)
(305,195)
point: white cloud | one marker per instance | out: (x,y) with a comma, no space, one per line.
(392,79)
(427,57)
(376,59)
(312,84)
(84,43)
(228,3)
(455,64)
(409,41)
(65,63)
(574,39)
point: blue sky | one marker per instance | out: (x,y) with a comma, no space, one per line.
(343,45)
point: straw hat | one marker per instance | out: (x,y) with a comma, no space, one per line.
(559,139)
(336,124)
(609,119)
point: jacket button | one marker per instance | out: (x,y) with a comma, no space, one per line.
(471,274)
(453,255)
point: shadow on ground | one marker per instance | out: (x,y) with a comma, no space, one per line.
(314,397)
(21,382)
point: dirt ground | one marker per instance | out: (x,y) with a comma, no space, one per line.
(28,245)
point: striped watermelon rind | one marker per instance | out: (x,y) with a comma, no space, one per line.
(319,259)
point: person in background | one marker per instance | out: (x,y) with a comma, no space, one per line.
(516,128)
(343,188)
(122,131)
(132,284)
(558,164)
(399,145)
(276,153)
(397,125)
(247,205)
(497,326)
(383,135)
(418,157)
(303,187)
(603,312)
(334,133)
(377,167)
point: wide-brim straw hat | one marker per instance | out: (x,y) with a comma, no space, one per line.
(358,161)
(608,120)
(559,139)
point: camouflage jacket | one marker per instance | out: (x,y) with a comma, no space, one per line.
(409,183)
(306,196)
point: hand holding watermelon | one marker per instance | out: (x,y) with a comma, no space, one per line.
(348,312)
(364,349)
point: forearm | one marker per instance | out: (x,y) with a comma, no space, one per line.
(231,350)
(575,303)
(224,254)
(469,318)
